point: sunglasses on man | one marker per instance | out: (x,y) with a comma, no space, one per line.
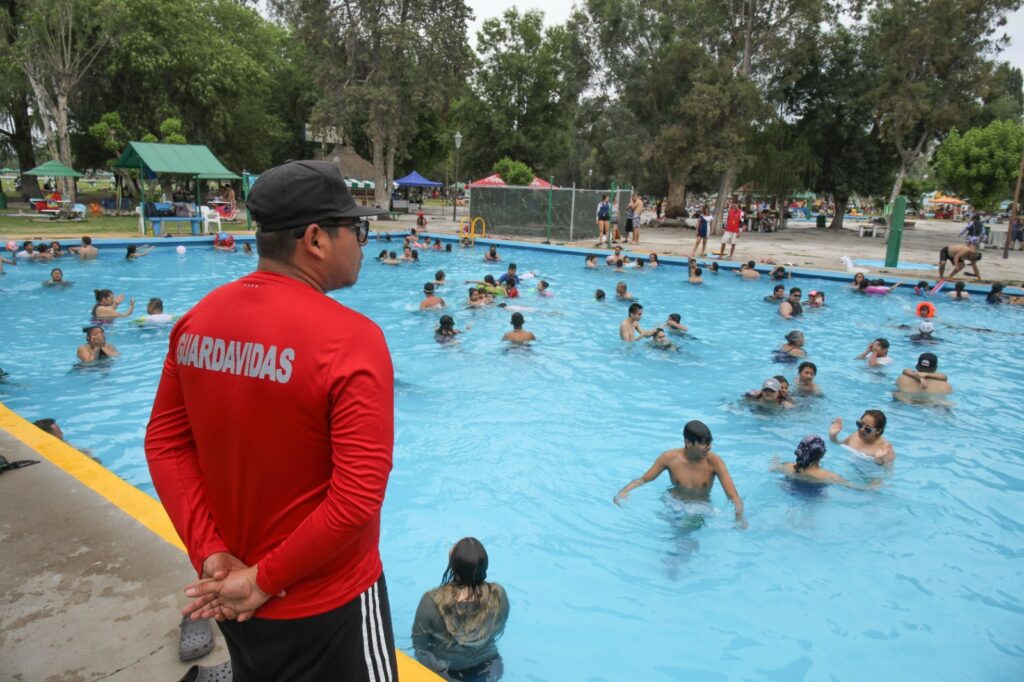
(361,227)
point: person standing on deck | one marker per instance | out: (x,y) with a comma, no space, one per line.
(280,512)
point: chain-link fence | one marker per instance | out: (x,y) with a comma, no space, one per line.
(523,212)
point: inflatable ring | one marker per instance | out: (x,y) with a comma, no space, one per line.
(925,309)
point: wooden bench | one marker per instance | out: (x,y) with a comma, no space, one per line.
(157,222)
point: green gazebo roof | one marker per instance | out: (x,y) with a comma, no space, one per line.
(54,169)
(175,159)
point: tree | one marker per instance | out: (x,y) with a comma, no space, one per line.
(933,56)
(981,165)
(57,48)
(837,122)
(525,92)
(379,64)
(15,117)
(514,172)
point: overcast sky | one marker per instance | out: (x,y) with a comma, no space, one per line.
(557,11)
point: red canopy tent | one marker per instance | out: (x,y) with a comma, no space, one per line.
(490,181)
(496,181)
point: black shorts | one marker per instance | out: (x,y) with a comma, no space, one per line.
(944,254)
(354,642)
(629,224)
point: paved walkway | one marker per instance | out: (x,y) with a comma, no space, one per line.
(89,593)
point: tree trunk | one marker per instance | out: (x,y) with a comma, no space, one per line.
(389,163)
(67,185)
(724,188)
(380,193)
(677,190)
(780,204)
(837,219)
(21,140)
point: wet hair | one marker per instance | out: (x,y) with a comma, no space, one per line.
(46,424)
(56,270)
(511,267)
(864,284)
(751,264)
(517,320)
(792,336)
(619,262)
(714,266)
(809,451)
(489,279)
(472,289)
(959,289)
(543,284)
(675,317)
(447,247)
(599,295)
(415,254)
(783,381)
(860,275)
(589,258)
(997,288)
(639,262)
(633,307)
(467,564)
(654,258)
(387,236)
(493,249)
(27,243)
(697,432)
(884,343)
(87,240)
(796,290)
(157,304)
(446,323)
(382,255)
(131,251)
(806,364)
(428,288)
(699,272)
(879,418)
(779,287)
(439,275)
(391,254)
(101,294)
(922,284)
(87,330)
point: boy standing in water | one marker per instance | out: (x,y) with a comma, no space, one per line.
(692,470)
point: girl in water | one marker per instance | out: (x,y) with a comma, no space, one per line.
(446,331)
(959,292)
(807,466)
(457,625)
(857,280)
(106,305)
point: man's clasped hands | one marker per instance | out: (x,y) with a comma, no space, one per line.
(227,590)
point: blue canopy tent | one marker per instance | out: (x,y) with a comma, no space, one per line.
(414,179)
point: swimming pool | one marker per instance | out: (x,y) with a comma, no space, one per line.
(524,449)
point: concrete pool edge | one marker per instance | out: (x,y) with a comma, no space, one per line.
(129,501)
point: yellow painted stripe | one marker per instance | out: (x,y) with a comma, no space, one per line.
(145,509)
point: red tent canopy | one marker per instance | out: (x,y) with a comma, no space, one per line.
(490,181)
(496,181)
(539,183)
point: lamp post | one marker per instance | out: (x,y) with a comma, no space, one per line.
(590,177)
(455,199)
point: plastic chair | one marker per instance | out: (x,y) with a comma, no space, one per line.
(209,216)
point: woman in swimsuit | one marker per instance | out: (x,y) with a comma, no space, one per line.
(794,346)
(867,439)
(96,346)
(106,305)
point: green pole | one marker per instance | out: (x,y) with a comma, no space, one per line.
(245,195)
(551,191)
(614,202)
(899,211)
(142,191)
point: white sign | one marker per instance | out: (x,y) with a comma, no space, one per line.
(323,134)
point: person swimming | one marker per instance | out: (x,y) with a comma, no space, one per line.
(446,331)
(778,294)
(518,335)
(806,373)
(867,441)
(57,279)
(959,292)
(599,295)
(792,349)
(675,325)
(807,467)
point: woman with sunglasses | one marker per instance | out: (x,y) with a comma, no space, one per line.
(867,441)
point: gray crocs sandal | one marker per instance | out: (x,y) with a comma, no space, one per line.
(216,673)
(196,639)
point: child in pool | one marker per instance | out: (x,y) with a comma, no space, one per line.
(692,470)
(807,466)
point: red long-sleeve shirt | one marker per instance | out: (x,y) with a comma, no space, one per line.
(271,438)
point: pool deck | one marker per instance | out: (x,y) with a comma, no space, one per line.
(92,572)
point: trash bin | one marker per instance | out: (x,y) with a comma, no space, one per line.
(3,200)
(822,220)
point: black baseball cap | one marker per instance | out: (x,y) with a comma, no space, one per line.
(299,193)
(927,362)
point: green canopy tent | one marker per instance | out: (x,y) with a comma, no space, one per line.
(54,169)
(7,169)
(192,160)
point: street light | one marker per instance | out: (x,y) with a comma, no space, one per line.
(590,177)
(455,199)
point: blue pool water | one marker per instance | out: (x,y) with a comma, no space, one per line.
(524,449)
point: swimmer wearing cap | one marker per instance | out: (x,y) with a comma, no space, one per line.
(692,469)
(430,299)
(924,383)
(96,346)
(770,395)
(924,333)
(807,467)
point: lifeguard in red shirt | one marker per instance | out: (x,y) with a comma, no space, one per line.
(279,506)
(731,233)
